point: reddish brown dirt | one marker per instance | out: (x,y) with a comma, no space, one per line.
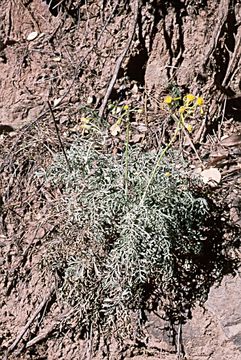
(195,45)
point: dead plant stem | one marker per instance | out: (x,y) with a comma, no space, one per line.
(58,135)
(119,62)
(31,319)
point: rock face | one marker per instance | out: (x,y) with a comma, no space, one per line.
(224,303)
(215,331)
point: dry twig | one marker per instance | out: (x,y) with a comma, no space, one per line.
(119,62)
(77,69)
(190,142)
(31,319)
(58,135)
(47,332)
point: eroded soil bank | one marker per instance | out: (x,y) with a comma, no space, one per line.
(189,46)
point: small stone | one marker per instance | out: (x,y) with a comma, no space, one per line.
(135,89)
(33,35)
(211,176)
(57,59)
(57,101)
(90,100)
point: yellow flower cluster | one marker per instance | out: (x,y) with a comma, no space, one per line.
(187,100)
(190,104)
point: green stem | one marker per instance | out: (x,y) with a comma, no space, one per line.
(126,155)
(158,162)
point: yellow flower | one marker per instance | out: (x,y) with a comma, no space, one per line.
(200,101)
(126,107)
(182,109)
(189,128)
(167,174)
(189,98)
(168,99)
(85,120)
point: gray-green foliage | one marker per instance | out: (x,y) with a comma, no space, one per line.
(118,256)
